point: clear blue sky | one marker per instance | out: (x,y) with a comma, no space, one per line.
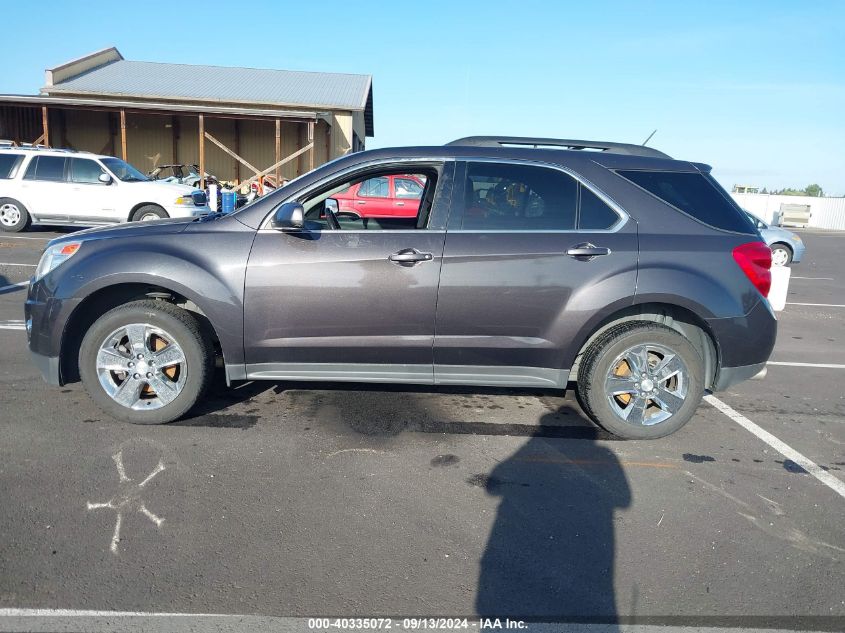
(757,89)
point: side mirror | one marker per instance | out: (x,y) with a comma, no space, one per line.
(291,215)
(105,179)
(330,204)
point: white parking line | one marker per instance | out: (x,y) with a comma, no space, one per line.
(814,278)
(784,449)
(12,325)
(25,265)
(820,365)
(818,305)
(12,612)
(17,285)
(21,237)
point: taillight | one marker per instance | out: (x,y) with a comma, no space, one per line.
(755,260)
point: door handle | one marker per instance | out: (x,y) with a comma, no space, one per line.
(360,202)
(400,204)
(587,251)
(410,257)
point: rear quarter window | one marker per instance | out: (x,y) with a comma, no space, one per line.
(694,194)
(9,164)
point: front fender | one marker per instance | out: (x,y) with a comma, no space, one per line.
(207,269)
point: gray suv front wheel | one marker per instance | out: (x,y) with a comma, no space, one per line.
(146,362)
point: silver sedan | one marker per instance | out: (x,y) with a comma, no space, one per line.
(787,247)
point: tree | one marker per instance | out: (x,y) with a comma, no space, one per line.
(814,190)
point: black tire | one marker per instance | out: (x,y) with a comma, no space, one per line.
(602,355)
(784,248)
(147,211)
(8,206)
(196,345)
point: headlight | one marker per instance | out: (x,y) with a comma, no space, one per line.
(187,201)
(55,255)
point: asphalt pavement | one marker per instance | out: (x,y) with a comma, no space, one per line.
(278,499)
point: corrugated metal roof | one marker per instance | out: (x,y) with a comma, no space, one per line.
(221,84)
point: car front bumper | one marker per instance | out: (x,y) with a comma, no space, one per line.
(46,317)
(798,249)
(184,211)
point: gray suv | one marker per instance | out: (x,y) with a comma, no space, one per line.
(528,263)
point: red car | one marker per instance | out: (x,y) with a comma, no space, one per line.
(383,197)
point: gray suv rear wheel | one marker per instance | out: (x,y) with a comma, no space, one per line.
(640,380)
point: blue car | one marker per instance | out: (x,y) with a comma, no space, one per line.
(787,247)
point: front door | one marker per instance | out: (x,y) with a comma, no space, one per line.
(88,199)
(356,303)
(533,256)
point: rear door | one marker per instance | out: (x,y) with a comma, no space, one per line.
(45,188)
(531,255)
(373,198)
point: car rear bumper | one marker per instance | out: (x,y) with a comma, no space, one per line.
(744,344)
(729,376)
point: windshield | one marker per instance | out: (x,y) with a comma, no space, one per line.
(123,170)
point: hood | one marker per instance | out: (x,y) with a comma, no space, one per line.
(160,187)
(129,229)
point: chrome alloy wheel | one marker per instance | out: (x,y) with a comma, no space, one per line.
(646,384)
(10,214)
(141,367)
(149,217)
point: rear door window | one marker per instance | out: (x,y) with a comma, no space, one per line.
(9,164)
(50,168)
(375,188)
(507,197)
(694,194)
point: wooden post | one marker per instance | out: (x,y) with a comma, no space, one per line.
(278,150)
(202,151)
(311,141)
(112,133)
(174,129)
(45,124)
(63,129)
(123,133)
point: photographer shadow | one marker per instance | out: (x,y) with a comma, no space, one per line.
(551,550)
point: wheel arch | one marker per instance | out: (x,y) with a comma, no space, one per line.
(145,204)
(100,301)
(679,318)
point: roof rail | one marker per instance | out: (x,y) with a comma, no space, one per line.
(45,148)
(522,141)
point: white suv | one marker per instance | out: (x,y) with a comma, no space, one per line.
(54,186)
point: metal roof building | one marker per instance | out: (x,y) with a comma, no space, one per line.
(238,123)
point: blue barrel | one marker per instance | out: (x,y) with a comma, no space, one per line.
(228,200)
